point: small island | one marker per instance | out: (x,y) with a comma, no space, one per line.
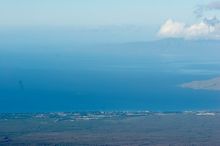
(211,84)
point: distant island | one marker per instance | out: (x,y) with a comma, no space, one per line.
(212,84)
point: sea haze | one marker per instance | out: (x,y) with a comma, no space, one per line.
(65,76)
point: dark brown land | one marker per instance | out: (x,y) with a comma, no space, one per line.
(153,129)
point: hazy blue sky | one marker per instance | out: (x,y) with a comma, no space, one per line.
(140,19)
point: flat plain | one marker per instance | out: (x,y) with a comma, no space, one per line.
(111,128)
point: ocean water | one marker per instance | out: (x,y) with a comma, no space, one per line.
(50,78)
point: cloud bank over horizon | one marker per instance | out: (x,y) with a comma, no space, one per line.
(207,28)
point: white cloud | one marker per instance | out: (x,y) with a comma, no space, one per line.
(199,30)
(204,30)
(172,29)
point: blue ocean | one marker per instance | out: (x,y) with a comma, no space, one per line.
(51,77)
